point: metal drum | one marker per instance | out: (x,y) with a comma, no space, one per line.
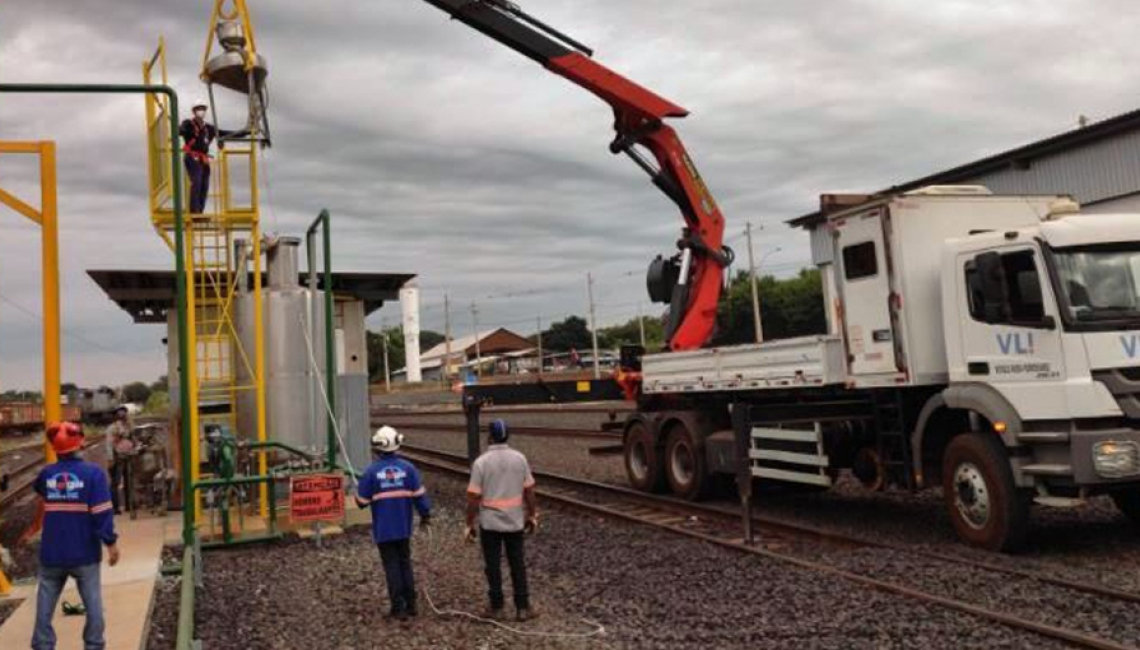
(295,411)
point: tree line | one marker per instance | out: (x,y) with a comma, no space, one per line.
(788,308)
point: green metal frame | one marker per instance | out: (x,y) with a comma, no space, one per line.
(186,606)
(179,251)
(323,222)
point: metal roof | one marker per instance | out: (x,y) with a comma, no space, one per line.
(1021,158)
(148,295)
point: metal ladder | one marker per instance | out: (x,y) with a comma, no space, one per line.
(893,440)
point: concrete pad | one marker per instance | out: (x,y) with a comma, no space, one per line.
(128,590)
(327,530)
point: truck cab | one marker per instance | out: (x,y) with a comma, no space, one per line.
(1042,324)
(988,345)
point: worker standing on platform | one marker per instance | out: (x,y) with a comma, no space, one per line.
(77,523)
(117,433)
(502,500)
(197,135)
(391,486)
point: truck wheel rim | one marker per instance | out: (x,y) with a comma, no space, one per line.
(638,461)
(972,495)
(682,465)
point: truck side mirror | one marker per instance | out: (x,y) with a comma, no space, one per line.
(995,292)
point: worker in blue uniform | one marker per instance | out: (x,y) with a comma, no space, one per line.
(392,488)
(78,521)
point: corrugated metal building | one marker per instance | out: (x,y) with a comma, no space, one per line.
(1098,165)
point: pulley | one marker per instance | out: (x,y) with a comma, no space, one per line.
(240,68)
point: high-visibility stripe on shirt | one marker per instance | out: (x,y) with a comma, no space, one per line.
(400,494)
(503,504)
(66,507)
(102,507)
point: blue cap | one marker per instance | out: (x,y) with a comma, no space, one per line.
(498,431)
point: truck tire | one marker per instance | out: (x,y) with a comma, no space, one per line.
(685,466)
(984,505)
(644,465)
(1128,503)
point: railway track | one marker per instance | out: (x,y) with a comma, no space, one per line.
(719,526)
(544,410)
(544,432)
(23,476)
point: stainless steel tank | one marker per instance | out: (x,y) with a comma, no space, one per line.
(295,408)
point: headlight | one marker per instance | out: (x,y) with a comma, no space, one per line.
(1116,459)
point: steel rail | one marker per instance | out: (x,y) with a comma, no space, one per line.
(666,518)
(18,490)
(544,432)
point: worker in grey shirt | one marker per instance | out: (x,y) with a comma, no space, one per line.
(501,497)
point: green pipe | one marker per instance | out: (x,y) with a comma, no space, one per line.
(227,482)
(253,539)
(273,444)
(179,252)
(186,603)
(323,220)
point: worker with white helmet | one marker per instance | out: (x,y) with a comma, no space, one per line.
(392,488)
(197,136)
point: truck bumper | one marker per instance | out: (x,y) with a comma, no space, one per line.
(1089,458)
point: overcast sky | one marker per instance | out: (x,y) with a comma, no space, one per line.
(443,154)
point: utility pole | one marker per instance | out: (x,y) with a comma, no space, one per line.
(593,324)
(478,351)
(446,338)
(387,373)
(641,325)
(540,360)
(755,287)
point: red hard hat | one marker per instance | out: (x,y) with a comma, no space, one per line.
(65,437)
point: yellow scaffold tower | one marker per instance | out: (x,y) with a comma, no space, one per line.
(222,368)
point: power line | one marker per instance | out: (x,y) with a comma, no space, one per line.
(81,339)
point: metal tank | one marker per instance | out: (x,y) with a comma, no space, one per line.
(293,319)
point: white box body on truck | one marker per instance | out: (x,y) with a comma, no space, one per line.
(989,345)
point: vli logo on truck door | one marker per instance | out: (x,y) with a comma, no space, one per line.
(1131,345)
(1016,343)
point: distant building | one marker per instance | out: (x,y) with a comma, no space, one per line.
(500,350)
(1098,165)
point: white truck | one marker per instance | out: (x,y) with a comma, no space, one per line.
(986,344)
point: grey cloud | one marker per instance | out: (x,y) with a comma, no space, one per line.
(443,154)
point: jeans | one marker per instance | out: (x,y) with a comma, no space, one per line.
(199,173)
(52,581)
(397,559)
(493,543)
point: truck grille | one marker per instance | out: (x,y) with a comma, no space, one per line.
(1124,384)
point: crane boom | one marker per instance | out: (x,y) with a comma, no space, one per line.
(690,281)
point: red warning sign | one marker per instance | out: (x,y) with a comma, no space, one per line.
(317,498)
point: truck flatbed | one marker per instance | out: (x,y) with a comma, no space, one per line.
(805,361)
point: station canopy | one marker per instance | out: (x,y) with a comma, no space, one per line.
(148,295)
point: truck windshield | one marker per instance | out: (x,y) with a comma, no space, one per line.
(1100,284)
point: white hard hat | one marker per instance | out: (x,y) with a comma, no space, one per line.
(386,439)
(199,103)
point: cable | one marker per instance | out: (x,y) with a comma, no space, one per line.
(268,187)
(325,399)
(599,629)
(35,316)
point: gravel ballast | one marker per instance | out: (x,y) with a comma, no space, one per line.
(649,589)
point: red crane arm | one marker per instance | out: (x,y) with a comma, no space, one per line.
(691,280)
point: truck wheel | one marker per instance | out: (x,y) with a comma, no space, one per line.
(1128,503)
(984,505)
(643,462)
(685,465)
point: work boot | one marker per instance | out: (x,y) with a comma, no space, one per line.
(526,614)
(412,611)
(493,613)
